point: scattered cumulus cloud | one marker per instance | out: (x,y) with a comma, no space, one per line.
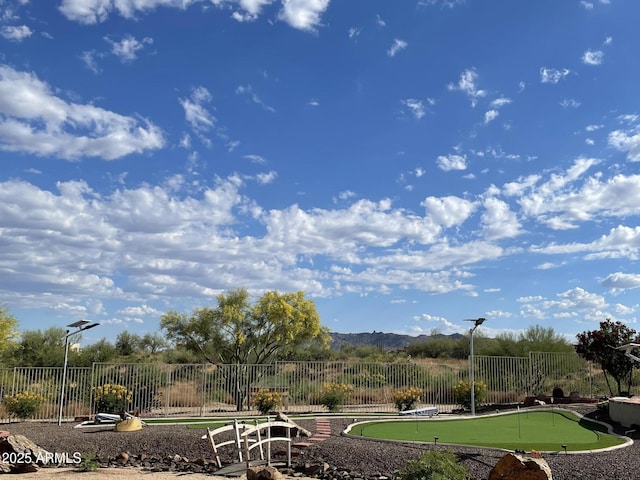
(128,47)
(266,178)
(416,107)
(490,116)
(300,14)
(303,14)
(570,103)
(397,46)
(451,162)
(621,281)
(552,75)
(467,85)
(591,57)
(15,33)
(627,141)
(37,121)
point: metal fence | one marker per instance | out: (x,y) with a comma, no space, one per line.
(209,390)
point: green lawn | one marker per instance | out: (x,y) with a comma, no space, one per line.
(536,430)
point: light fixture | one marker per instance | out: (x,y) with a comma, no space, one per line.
(80,326)
(476,323)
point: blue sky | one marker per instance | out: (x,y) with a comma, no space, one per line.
(407,164)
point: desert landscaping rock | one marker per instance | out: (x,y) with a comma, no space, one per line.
(176,448)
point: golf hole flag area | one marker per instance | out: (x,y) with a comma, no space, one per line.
(529,430)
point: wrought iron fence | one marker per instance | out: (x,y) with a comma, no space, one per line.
(209,390)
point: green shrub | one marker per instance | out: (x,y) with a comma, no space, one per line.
(433,465)
(111,398)
(407,398)
(462,392)
(334,395)
(23,405)
(88,462)
(266,400)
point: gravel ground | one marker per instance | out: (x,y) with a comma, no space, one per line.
(158,444)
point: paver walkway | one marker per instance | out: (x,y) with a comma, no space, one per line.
(323,431)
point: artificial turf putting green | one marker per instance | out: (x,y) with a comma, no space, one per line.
(536,430)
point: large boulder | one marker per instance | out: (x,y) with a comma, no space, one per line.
(264,473)
(22,454)
(516,467)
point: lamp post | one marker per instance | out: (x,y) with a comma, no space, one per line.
(80,326)
(476,323)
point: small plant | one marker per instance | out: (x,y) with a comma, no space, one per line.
(111,398)
(433,465)
(23,405)
(334,395)
(266,400)
(462,392)
(407,398)
(88,462)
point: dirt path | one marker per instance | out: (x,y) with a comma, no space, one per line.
(116,473)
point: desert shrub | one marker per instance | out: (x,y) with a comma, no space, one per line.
(462,393)
(433,465)
(406,398)
(111,398)
(23,405)
(88,462)
(334,395)
(266,400)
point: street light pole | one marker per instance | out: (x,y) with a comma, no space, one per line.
(80,326)
(477,323)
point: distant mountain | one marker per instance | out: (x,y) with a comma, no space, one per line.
(384,341)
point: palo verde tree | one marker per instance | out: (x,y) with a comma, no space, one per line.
(8,331)
(238,333)
(600,346)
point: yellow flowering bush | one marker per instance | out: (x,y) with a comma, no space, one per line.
(266,400)
(23,405)
(406,398)
(462,393)
(111,398)
(334,395)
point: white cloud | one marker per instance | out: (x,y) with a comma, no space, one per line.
(303,14)
(498,221)
(451,162)
(467,85)
(89,60)
(354,32)
(266,178)
(569,103)
(397,46)
(448,211)
(256,159)
(16,33)
(416,107)
(591,57)
(627,141)
(490,116)
(127,49)
(619,281)
(247,90)
(561,203)
(500,102)
(551,75)
(196,115)
(39,123)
